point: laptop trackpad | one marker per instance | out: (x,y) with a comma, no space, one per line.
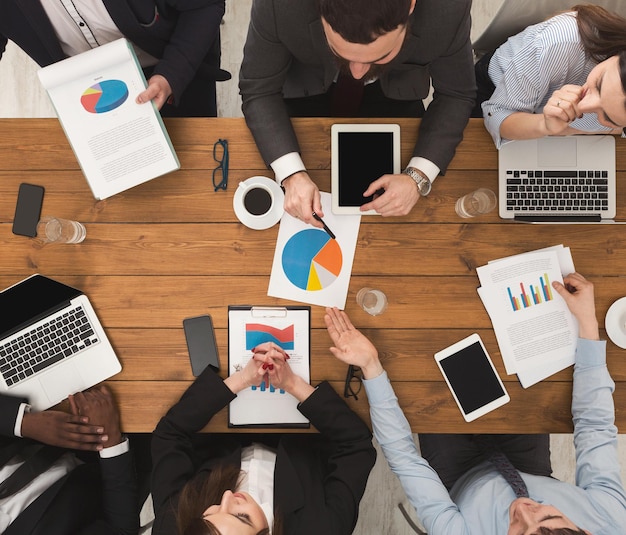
(555,152)
(61,381)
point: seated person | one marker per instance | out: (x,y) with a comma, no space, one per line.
(564,76)
(481,500)
(357,58)
(177,43)
(299,483)
(47,488)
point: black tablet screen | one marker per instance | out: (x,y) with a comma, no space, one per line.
(363,157)
(472,378)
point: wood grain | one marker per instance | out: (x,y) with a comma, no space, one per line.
(173,248)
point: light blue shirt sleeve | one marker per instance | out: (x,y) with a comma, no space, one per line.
(428,495)
(595,433)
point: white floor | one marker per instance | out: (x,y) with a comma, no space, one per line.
(22,96)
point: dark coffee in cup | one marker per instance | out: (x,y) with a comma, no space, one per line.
(257,201)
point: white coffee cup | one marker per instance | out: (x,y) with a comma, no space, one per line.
(258,202)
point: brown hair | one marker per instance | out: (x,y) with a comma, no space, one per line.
(603,35)
(205,490)
(560,531)
(363,21)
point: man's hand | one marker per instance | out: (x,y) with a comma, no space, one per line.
(99,406)
(64,430)
(578,294)
(302,198)
(399,198)
(351,346)
(158,90)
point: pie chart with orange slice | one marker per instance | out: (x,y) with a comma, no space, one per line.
(312,260)
(104,96)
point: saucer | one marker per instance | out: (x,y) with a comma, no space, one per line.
(614,323)
(266,220)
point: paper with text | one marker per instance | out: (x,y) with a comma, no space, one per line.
(119,144)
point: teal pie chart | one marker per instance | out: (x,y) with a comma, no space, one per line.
(104,96)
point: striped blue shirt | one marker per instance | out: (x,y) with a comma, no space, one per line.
(530,66)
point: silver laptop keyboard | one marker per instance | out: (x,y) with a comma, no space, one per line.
(575,191)
(58,338)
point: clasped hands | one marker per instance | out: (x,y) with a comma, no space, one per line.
(302,196)
(92,424)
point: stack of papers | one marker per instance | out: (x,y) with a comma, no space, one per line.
(535,330)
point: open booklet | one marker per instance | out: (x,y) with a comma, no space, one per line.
(536,332)
(119,144)
(288,327)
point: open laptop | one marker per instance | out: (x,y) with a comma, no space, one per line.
(51,342)
(558,179)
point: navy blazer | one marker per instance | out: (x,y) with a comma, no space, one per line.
(182,34)
(318,479)
(98,497)
(286,55)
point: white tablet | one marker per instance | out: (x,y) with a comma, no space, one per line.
(361,153)
(472,377)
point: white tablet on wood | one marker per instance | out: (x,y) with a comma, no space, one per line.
(472,377)
(360,154)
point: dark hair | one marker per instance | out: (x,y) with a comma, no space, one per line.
(205,490)
(363,21)
(560,531)
(603,35)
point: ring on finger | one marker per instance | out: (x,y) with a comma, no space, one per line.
(558,104)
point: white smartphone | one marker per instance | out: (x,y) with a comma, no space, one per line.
(472,377)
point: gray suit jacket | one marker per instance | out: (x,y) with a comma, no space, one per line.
(286,55)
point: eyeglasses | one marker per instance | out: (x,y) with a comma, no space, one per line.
(220,173)
(353,383)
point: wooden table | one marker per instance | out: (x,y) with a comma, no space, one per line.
(172,248)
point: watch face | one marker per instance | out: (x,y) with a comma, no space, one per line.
(424,186)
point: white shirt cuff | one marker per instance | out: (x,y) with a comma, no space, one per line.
(287,165)
(425,166)
(114,451)
(17,430)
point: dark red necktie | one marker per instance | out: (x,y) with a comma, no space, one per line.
(346,96)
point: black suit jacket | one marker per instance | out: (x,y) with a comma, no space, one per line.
(318,479)
(182,34)
(286,55)
(98,497)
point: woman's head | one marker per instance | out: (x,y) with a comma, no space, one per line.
(604,92)
(237,514)
(207,506)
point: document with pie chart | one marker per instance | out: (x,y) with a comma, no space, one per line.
(309,265)
(119,144)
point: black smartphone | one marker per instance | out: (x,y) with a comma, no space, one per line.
(28,210)
(201,344)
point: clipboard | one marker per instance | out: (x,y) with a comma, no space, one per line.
(290,328)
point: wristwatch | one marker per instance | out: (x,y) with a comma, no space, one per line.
(423,182)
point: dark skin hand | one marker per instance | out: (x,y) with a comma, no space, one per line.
(63,430)
(98,405)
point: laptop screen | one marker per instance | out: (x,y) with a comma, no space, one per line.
(30,300)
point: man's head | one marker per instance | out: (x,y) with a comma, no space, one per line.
(528,517)
(365,33)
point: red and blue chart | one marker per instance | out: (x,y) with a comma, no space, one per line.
(259,333)
(104,96)
(535,295)
(312,260)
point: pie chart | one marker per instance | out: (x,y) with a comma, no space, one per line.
(312,260)
(104,96)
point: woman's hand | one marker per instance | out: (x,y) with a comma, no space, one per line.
(578,294)
(562,108)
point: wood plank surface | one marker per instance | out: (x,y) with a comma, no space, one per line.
(173,248)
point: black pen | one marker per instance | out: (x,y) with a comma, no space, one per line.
(330,232)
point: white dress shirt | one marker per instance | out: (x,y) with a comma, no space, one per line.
(257,464)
